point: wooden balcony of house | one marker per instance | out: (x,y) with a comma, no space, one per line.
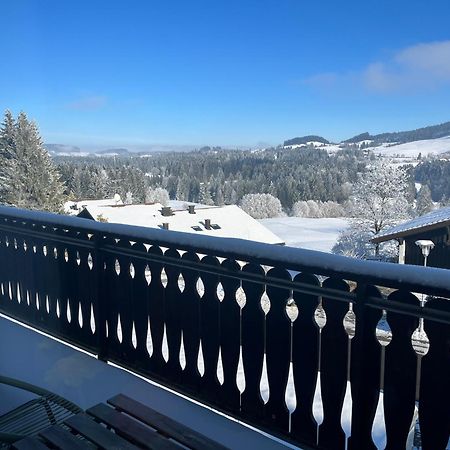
(248,345)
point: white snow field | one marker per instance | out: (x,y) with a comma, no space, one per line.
(412,149)
(312,234)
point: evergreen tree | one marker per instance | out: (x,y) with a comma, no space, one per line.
(6,151)
(128,198)
(205,195)
(183,188)
(7,136)
(29,179)
(218,197)
(424,202)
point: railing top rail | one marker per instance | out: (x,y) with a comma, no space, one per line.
(428,280)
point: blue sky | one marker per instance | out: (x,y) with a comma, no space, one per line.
(133,73)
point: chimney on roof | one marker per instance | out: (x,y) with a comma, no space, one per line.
(208,224)
(166,211)
(165,226)
(191,209)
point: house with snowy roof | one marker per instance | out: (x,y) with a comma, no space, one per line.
(218,221)
(434,226)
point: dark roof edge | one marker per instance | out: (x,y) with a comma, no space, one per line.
(402,234)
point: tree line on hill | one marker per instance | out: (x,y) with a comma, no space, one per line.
(430,132)
(219,178)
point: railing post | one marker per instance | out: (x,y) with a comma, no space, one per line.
(100,298)
(364,369)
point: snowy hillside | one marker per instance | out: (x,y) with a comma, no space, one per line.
(407,150)
(312,234)
(412,149)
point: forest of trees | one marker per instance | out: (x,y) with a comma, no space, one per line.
(218,177)
(435,173)
(308,182)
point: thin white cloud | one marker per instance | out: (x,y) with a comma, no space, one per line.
(432,58)
(322,80)
(421,67)
(89,103)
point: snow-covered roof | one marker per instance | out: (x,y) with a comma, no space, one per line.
(434,219)
(226,221)
(74,207)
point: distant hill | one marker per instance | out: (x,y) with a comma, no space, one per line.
(359,138)
(60,148)
(401,137)
(303,140)
(113,151)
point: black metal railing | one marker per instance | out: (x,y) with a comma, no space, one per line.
(258,331)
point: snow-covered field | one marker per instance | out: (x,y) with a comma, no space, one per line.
(312,234)
(412,149)
(408,150)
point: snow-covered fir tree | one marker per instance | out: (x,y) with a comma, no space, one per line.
(424,203)
(99,184)
(183,188)
(204,196)
(128,198)
(261,206)
(7,130)
(28,177)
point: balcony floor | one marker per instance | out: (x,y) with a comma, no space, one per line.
(35,358)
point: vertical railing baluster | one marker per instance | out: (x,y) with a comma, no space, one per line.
(305,360)
(190,322)
(100,296)
(230,338)
(278,351)
(364,369)
(434,400)
(400,373)
(210,333)
(173,316)
(253,336)
(333,375)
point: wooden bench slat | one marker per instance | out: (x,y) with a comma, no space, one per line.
(98,434)
(63,439)
(131,430)
(163,424)
(29,443)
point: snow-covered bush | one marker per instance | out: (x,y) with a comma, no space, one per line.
(332,209)
(261,206)
(300,209)
(355,243)
(311,208)
(157,195)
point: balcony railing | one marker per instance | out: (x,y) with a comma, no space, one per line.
(253,330)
